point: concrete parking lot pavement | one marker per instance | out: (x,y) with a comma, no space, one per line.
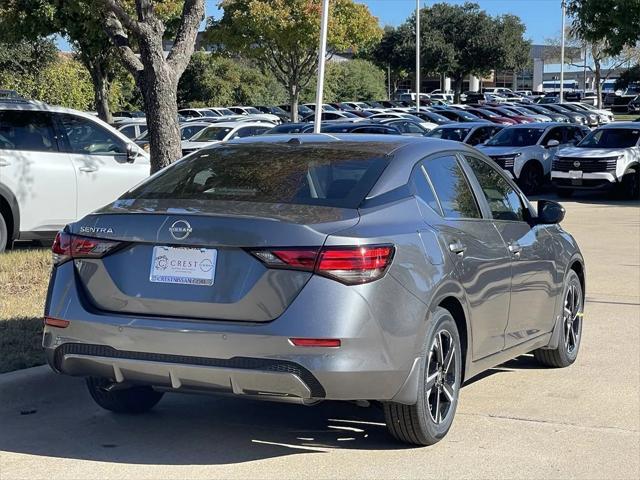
(515,421)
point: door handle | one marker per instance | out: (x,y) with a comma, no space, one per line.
(458,248)
(515,249)
(88,169)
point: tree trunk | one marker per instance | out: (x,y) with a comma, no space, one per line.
(100,91)
(159,88)
(457,89)
(598,75)
(294,98)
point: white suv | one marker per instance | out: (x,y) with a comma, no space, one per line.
(608,157)
(57,165)
(525,151)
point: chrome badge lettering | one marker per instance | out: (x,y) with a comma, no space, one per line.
(96,230)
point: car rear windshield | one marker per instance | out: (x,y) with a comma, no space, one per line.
(611,138)
(327,175)
(516,137)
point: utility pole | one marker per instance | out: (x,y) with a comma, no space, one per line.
(564,8)
(388,82)
(324,20)
(418,55)
(584,70)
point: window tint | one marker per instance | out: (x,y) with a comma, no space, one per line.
(88,138)
(611,138)
(24,130)
(504,202)
(413,128)
(328,175)
(480,135)
(450,133)
(188,132)
(553,134)
(129,131)
(452,188)
(422,188)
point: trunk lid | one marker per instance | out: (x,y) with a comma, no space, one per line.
(243,289)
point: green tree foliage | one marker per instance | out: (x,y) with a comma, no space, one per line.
(212,80)
(355,80)
(616,23)
(282,36)
(65,82)
(629,77)
(456,40)
(26,57)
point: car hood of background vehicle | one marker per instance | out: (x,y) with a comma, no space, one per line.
(591,152)
(491,151)
(325,220)
(186,144)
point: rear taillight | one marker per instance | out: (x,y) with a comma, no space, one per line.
(67,246)
(350,265)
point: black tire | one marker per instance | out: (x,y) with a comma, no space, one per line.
(4,234)
(630,185)
(571,333)
(132,400)
(531,178)
(417,424)
(565,192)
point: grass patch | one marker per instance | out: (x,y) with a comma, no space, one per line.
(625,117)
(24,276)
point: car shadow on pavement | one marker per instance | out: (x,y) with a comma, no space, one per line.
(523,362)
(182,429)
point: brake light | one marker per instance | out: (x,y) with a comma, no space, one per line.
(67,246)
(350,265)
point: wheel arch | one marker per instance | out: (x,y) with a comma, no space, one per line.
(10,211)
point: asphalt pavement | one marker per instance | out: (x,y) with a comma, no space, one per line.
(515,421)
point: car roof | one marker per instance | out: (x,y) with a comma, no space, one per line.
(469,125)
(240,124)
(621,125)
(540,125)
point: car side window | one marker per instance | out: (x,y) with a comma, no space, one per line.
(574,134)
(260,130)
(504,202)
(553,134)
(452,188)
(481,135)
(413,128)
(88,138)
(129,131)
(27,130)
(243,132)
(422,188)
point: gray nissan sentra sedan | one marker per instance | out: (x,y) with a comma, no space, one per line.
(315,267)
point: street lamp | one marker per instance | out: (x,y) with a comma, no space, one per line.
(324,20)
(564,8)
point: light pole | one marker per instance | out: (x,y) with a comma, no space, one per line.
(418,55)
(324,20)
(564,8)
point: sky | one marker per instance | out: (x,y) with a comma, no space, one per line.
(541,17)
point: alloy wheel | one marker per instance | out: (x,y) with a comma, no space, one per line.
(441,376)
(572,318)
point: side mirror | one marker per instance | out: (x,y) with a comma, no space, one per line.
(550,212)
(552,143)
(132,153)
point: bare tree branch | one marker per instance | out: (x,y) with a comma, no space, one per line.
(121,14)
(184,44)
(121,41)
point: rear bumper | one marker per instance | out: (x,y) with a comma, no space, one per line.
(377,353)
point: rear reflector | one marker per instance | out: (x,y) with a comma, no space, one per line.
(56,322)
(350,265)
(67,246)
(315,342)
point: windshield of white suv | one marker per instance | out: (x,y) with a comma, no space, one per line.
(516,137)
(212,134)
(611,138)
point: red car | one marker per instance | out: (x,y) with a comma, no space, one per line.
(491,116)
(513,116)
